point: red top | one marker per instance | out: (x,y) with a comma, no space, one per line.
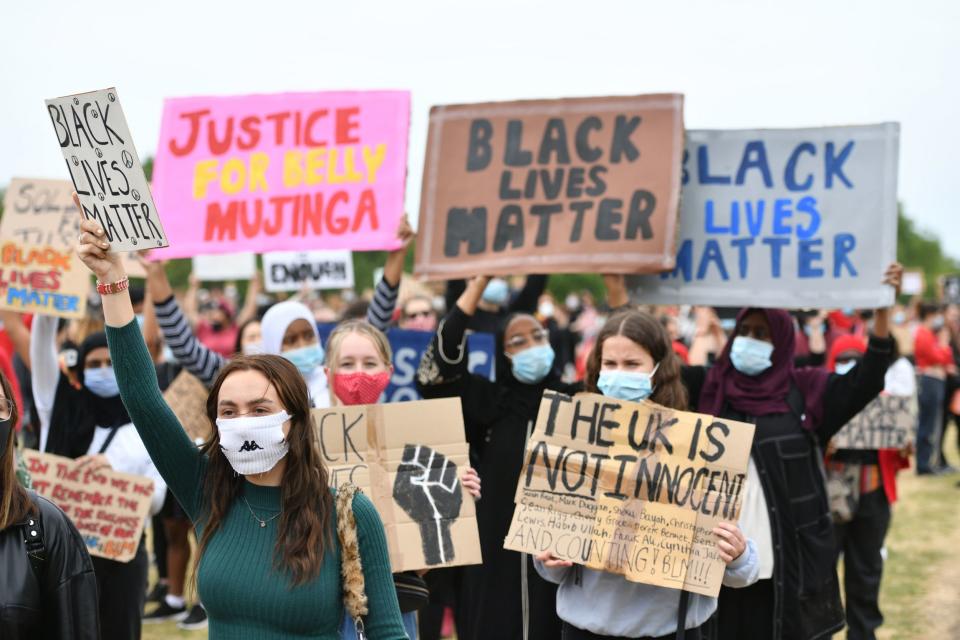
(928,351)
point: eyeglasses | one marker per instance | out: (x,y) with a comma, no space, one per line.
(539,336)
(6,408)
(418,314)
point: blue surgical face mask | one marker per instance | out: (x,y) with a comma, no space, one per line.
(751,356)
(843,368)
(496,292)
(899,317)
(306,359)
(632,386)
(101,381)
(532,365)
(937,323)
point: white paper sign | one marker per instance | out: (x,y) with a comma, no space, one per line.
(225,266)
(105,168)
(913,283)
(796,218)
(291,270)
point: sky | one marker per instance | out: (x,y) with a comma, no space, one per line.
(739,63)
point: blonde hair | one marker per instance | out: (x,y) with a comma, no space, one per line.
(363,328)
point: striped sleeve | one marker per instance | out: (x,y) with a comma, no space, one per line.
(380,311)
(189,352)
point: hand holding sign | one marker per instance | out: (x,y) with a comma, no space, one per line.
(94,250)
(893,277)
(428,489)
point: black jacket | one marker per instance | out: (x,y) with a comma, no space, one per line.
(498,417)
(61,602)
(789,458)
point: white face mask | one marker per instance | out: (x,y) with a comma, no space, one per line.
(253,444)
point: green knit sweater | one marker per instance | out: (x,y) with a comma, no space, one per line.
(245,596)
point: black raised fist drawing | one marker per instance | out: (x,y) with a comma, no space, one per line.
(428,489)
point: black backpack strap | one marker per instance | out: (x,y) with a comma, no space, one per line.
(682,614)
(32,529)
(110,436)
(797,403)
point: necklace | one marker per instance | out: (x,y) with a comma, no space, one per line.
(263,523)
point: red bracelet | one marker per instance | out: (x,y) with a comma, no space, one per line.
(112,287)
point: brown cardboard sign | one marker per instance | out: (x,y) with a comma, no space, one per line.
(107,507)
(407,458)
(888,422)
(187,398)
(551,186)
(39,269)
(631,488)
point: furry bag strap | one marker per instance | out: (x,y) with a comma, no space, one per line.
(354,594)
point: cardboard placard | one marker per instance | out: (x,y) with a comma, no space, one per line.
(39,269)
(187,398)
(631,488)
(107,507)
(792,218)
(888,422)
(292,270)
(408,459)
(225,267)
(105,168)
(285,171)
(581,185)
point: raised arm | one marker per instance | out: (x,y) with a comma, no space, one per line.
(177,332)
(45,371)
(384,302)
(526,301)
(179,462)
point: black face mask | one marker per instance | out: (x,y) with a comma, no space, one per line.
(5,427)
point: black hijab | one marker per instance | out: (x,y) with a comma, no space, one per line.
(78,412)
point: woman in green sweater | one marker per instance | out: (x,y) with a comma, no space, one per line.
(269,560)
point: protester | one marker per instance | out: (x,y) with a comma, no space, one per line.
(862,529)
(634,360)
(797,411)
(934,360)
(359,363)
(48,589)
(418,314)
(951,329)
(503,596)
(497,303)
(217,325)
(264,513)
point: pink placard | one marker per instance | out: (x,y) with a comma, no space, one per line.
(288,171)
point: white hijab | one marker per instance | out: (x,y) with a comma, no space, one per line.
(274,325)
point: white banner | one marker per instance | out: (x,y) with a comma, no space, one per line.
(225,266)
(291,270)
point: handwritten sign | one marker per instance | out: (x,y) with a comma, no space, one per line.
(888,422)
(107,507)
(39,271)
(411,471)
(105,168)
(288,171)
(551,186)
(187,398)
(292,270)
(784,218)
(632,489)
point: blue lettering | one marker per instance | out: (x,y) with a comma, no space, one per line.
(754,216)
(808,205)
(833,165)
(709,225)
(776,245)
(806,268)
(703,168)
(782,212)
(711,253)
(741,244)
(684,262)
(843,244)
(790,172)
(755,157)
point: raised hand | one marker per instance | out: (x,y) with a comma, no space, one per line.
(428,489)
(94,249)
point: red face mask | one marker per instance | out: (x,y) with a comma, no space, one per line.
(360,387)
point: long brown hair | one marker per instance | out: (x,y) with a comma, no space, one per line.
(15,504)
(304,530)
(645,330)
